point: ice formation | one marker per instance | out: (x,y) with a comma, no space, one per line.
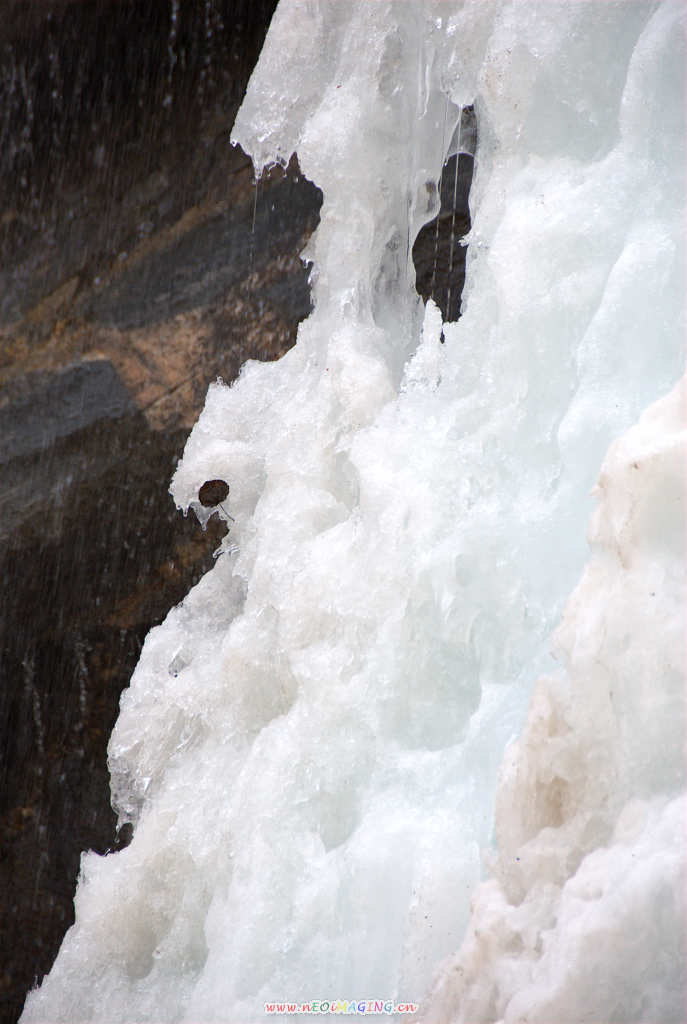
(311,746)
(585,916)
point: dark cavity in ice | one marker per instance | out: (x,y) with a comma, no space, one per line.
(213,492)
(438,253)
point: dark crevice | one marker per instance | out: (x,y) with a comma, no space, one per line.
(439,252)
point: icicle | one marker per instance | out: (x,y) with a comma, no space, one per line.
(453,224)
(252,227)
(438,217)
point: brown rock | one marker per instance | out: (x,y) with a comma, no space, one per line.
(133,272)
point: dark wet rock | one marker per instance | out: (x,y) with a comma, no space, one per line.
(81,588)
(135,268)
(113,121)
(439,251)
(213,256)
(38,408)
(212,492)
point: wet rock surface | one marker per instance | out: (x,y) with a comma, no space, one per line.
(438,253)
(137,264)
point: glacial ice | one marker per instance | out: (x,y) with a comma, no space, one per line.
(341,780)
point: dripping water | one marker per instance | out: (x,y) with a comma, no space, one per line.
(256,183)
(171,51)
(206,71)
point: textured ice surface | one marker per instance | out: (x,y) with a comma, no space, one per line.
(584,917)
(311,743)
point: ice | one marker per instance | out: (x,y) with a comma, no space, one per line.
(331,751)
(584,916)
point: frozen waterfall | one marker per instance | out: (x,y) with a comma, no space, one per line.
(353,767)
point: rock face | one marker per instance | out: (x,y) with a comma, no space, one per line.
(138,262)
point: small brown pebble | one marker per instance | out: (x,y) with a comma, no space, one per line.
(213,492)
